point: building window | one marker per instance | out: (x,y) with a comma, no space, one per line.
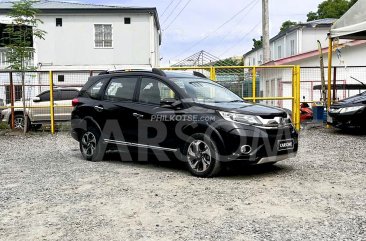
(292,46)
(61,78)
(58,22)
(127,20)
(18,91)
(103,35)
(279,52)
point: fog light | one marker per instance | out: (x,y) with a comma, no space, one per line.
(246,149)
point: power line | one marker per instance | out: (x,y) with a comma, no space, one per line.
(178,15)
(218,28)
(240,20)
(241,39)
(171,12)
(171,2)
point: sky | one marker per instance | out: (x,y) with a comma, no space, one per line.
(224,28)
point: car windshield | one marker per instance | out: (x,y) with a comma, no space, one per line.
(205,91)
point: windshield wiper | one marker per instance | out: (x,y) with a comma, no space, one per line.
(233,101)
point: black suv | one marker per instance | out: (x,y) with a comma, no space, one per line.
(185,115)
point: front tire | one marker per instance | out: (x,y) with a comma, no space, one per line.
(91,145)
(19,122)
(202,156)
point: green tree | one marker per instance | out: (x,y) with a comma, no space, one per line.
(258,43)
(20,35)
(331,9)
(286,25)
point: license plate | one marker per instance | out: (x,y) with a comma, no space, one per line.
(286,145)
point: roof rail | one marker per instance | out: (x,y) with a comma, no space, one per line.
(153,70)
(158,72)
(198,74)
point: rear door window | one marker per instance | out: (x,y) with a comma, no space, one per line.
(121,89)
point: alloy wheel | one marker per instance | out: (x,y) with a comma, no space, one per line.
(19,123)
(89,144)
(199,156)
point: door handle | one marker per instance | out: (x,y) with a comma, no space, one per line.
(138,116)
(98,108)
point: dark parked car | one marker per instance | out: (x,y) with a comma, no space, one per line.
(189,116)
(349,113)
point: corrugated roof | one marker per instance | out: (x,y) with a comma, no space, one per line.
(58,7)
(46,4)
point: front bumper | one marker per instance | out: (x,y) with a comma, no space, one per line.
(264,143)
(273,159)
(355,119)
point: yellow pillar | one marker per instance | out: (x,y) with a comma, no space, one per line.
(254,84)
(213,73)
(298,97)
(52,104)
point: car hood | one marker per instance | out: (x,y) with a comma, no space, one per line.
(353,100)
(247,108)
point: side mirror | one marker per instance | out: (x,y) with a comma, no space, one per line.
(170,103)
(36,99)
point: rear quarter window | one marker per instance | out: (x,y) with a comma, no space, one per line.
(94,91)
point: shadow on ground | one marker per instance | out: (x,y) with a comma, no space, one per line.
(229,170)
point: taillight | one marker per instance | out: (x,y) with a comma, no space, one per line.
(75,102)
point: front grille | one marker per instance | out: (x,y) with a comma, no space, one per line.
(272,116)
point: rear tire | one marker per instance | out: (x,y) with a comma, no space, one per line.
(91,146)
(202,156)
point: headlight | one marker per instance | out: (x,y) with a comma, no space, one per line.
(334,110)
(245,119)
(350,109)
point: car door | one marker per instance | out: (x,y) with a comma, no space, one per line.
(40,108)
(116,109)
(63,105)
(156,122)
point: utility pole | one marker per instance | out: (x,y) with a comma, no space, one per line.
(265,32)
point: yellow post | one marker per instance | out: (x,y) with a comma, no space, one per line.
(52,104)
(298,97)
(254,84)
(330,56)
(213,73)
(294,109)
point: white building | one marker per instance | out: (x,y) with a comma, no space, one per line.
(298,46)
(81,38)
(89,37)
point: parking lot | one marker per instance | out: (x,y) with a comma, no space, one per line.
(48,192)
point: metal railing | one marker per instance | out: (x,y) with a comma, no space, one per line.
(252,83)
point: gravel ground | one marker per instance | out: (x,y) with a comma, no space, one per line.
(48,192)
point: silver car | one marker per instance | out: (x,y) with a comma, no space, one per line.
(38,108)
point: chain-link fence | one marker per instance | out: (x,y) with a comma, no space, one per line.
(36,96)
(271,85)
(345,82)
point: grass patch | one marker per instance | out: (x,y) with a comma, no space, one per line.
(4,126)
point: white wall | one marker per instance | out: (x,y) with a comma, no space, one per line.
(310,36)
(73,43)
